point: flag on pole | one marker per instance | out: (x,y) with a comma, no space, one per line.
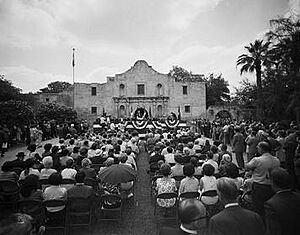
(73,61)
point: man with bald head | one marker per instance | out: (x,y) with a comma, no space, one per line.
(233,220)
(192,214)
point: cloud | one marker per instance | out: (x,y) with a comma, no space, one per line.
(293,9)
(130,23)
(205,60)
(30,80)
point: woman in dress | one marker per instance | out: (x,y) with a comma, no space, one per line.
(166,184)
(189,183)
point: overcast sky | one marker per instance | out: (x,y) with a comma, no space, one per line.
(203,36)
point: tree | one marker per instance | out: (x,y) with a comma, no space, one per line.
(253,61)
(181,74)
(54,111)
(56,87)
(14,112)
(7,90)
(217,91)
(284,36)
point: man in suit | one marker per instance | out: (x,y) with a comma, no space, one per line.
(192,214)
(233,219)
(79,190)
(19,162)
(238,146)
(282,211)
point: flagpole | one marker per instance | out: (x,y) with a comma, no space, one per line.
(73,75)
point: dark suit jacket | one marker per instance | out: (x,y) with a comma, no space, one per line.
(283,213)
(236,221)
(80,191)
(238,144)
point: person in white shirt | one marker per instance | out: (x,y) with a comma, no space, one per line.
(169,157)
(69,172)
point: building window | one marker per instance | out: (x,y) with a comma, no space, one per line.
(159,111)
(159,89)
(47,100)
(184,90)
(122,111)
(187,108)
(122,88)
(141,89)
(94,110)
(94,91)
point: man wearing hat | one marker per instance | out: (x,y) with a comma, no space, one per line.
(19,162)
(193,217)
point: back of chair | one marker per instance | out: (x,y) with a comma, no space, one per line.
(209,193)
(54,203)
(68,181)
(79,205)
(9,187)
(166,196)
(189,195)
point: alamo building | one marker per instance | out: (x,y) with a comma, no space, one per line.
(139,87)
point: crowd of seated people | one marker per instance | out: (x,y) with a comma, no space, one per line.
(195,167)
(180,162)
(67,167)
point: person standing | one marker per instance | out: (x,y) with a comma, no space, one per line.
(261,168)
(238,147)
(1,141)
(290,146)
(251,142)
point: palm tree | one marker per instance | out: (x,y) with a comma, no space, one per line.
(253,61)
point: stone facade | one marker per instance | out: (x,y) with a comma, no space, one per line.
(62,98)
(140,86)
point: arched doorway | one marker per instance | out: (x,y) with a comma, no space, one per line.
(159,111)
(223,114)
(122,111)
(141,113)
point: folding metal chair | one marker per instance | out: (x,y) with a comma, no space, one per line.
(55,220)
(187,195)
(79,213)
(212,208)
(166,196)
(110,207)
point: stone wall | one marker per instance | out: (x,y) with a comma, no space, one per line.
(161,92)
(62,98)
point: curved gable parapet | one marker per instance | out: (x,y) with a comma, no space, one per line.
(140,66)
